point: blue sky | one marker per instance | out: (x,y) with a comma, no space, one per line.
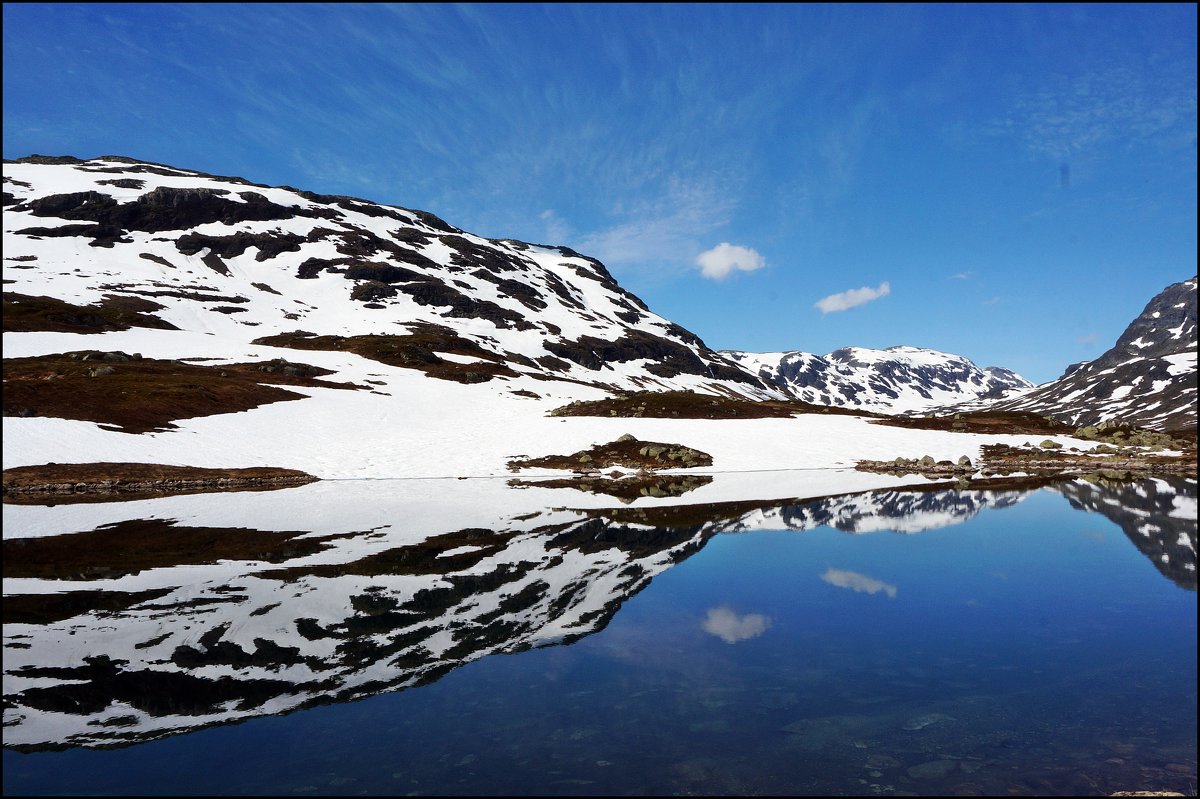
(1010,183)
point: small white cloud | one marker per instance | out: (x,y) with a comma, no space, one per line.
(720,261)
(961,276)
(854,297)
(858,582)
(731,628)
(991,301)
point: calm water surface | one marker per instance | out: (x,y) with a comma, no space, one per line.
(900,643)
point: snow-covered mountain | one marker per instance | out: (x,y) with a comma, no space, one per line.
(1148,378)
(438,352)
(893,380)
(185,250)
(180,249)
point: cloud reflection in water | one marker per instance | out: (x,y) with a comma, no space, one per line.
(731,628)
(858,582)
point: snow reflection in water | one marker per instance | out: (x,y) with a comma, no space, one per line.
(989,653)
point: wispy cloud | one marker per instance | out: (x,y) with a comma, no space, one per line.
(1087,338)
(663,229)
(991,301)
(1069,115)
(846,300)
(557,229)
(731,628)
(724,259)
(860,583)
(962,276)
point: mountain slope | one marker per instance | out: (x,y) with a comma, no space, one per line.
(893,380)
(161,315)
(1148,378)
(178,249)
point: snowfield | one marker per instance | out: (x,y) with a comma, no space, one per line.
(416,426)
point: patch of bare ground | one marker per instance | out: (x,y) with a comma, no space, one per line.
(417,350)
(133,546)
(690,405)
(625,488)
(136,395)
(49,608)
(993,422)
(626,451)
(62,483)
(23,313)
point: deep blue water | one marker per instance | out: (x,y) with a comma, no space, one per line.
(1030,649)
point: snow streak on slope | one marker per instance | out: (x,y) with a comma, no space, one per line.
(1148,378)
(895,380)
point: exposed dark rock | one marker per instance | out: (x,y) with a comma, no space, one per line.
(160,209)
(470,254)
(373,290)
(269,244)
(669,358)
(410,235)
(214,262)
(124,183)
(156,259)
(435,222)
(382,273)
(434,292)
(46,159)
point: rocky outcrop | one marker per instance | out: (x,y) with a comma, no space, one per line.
(1148,378)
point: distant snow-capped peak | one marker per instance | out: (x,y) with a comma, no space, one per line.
(892,380)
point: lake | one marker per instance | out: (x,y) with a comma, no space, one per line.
(468,637)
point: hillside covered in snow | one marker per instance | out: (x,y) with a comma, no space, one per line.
(1147,378)
(160,315)
(893,380)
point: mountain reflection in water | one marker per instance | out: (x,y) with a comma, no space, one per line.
(295,614)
